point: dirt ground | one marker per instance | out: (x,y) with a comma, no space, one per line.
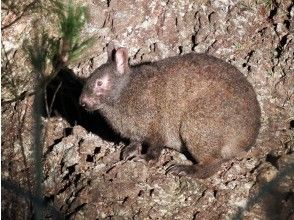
(84,177)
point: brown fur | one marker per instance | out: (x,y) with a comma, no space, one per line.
(194,100)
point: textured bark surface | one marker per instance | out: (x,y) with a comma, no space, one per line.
(84,176)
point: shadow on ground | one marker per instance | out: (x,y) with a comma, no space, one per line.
(66,105)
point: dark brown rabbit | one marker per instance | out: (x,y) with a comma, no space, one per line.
(194,102)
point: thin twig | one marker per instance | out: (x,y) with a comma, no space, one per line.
(46,101)
(54,96)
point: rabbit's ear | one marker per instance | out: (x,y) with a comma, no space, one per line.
(121,60)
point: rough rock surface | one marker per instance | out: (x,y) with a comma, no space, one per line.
(84,176)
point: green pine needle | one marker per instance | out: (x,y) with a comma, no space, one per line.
(44,50)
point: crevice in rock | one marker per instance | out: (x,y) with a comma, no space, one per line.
(71,169)
(77,179)
(195,14)
(61,166)
(228,182)
(291,124)
(194,44)
(142,56)
(90,158)
(214,193)
(272,159)
(249,68)
(65,187)
(125,199)
(180,50)
(136,54)
(195,215)
(107,171)
(289,9)
(112,25)
(250,55)
(73,199)
(211,46)
(141,193)
(210,15)
(97,150)
(50,148)
(273,11)
(246,64)
(153,47)
(288,148)
(108,3)
(104,22)
(68,131)
(197,26)
(203,194)
(91,61)
(81,142)
(287,22)
(280,47)
(77,209)
(262,31)
(255,168)
(151,191)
